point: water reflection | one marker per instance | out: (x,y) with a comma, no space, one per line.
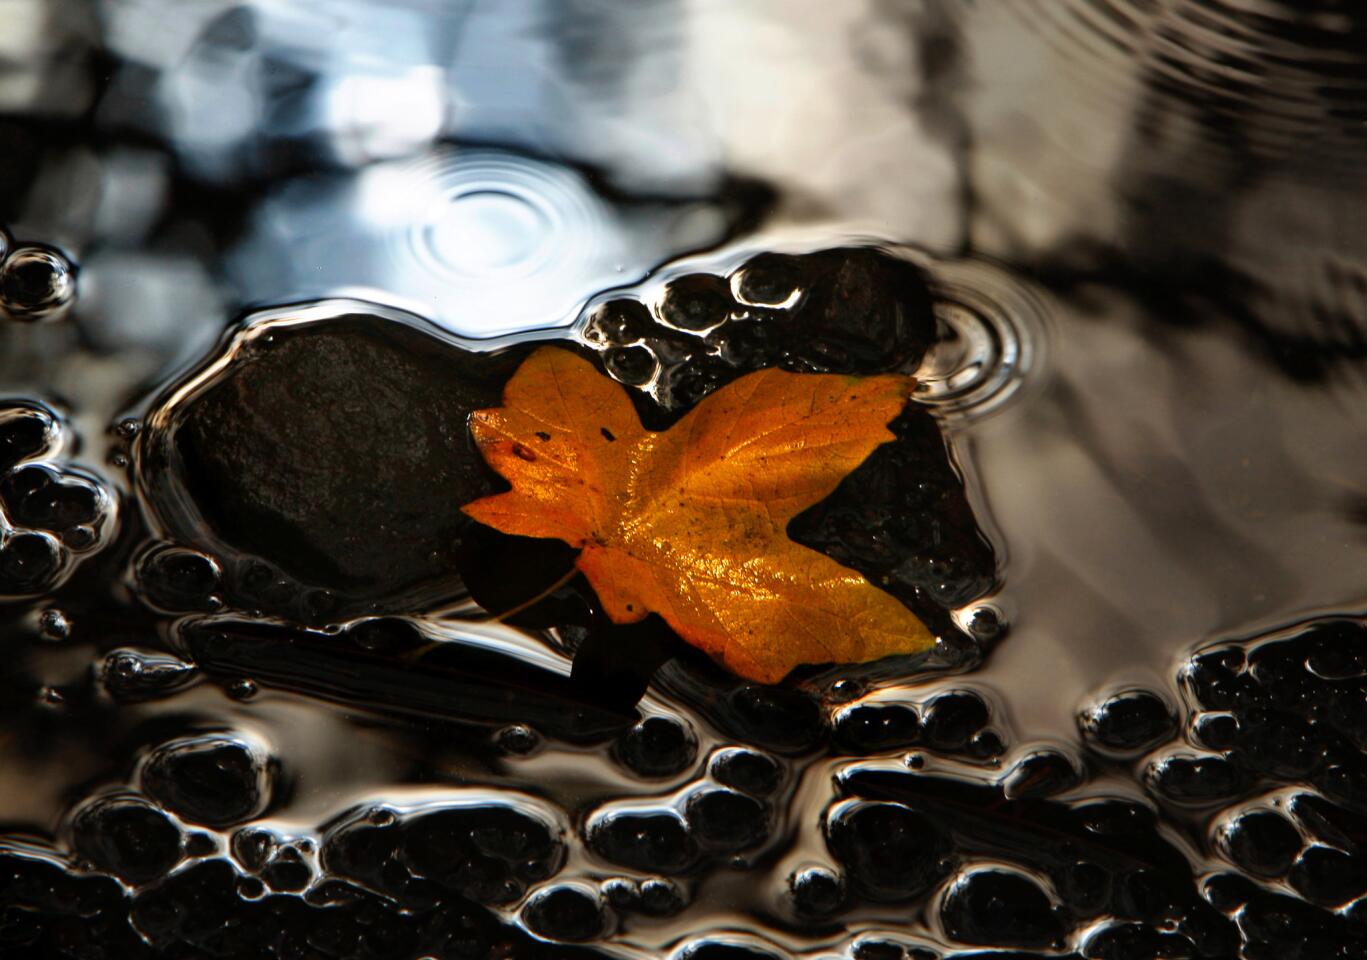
(482,242)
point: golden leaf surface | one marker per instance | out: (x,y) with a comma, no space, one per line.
(691,522)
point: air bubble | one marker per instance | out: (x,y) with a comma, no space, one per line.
(36,283)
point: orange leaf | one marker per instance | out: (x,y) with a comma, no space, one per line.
(691,523)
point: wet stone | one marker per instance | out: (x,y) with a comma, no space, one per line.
(53,626)
(816,892)
(999,909)
(780,719)
(871,728)
(1129,722)
(287,871)
(1217,731)
(889,851)
(1196,780)
(634,366)
(337,454)
(719,950)
(951,718)
(661,898)
(985,744)
(619,322)
(488,853)
(726,821)
(213,780)
(1219,682)
(517,739)
(130,675)
(1124,941)
(859,309)
(657,747)
(253,847)
(128,837)
(1041,773)
(179,579)
(26,431)
(1277,927)
(1338,650)
(1328,877)
(566,913)
(696,302)
(41,497)
(29,563)
(747,771)
(650,841)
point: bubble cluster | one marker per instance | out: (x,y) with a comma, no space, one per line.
(52,514)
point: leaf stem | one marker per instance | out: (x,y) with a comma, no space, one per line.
(419,652)
(499,618)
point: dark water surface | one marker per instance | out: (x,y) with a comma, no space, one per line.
(264,259)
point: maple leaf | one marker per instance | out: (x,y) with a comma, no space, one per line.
(690,523)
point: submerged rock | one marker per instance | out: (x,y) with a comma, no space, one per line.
(327,462)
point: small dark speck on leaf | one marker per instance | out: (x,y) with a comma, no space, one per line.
(542,435)
(523,453)
(607,434)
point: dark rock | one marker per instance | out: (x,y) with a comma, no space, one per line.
(633,366)
(951,718)
(661,898)
(41,497)
(566,913)
(215,780)
(889,851)
(287,871)
(872,727)
(253,848)
(658,746)
(654,841)
(858,310)
(337,453)
(1217,731)
(130,675)
(903,519)
(488,853)
(1129,722)
(747,771)
(696,301)
(718,950)
(1328,877)
(1123,941)
(1196,780)
(29,563)
(999,909)
(26,431)
(985,744)
(1338,650)
(1041,773)
(618,323)
(1277,927)
(816,892)
(778,718)
(127,836)
(179,580)
(1262,842)
(726,821)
